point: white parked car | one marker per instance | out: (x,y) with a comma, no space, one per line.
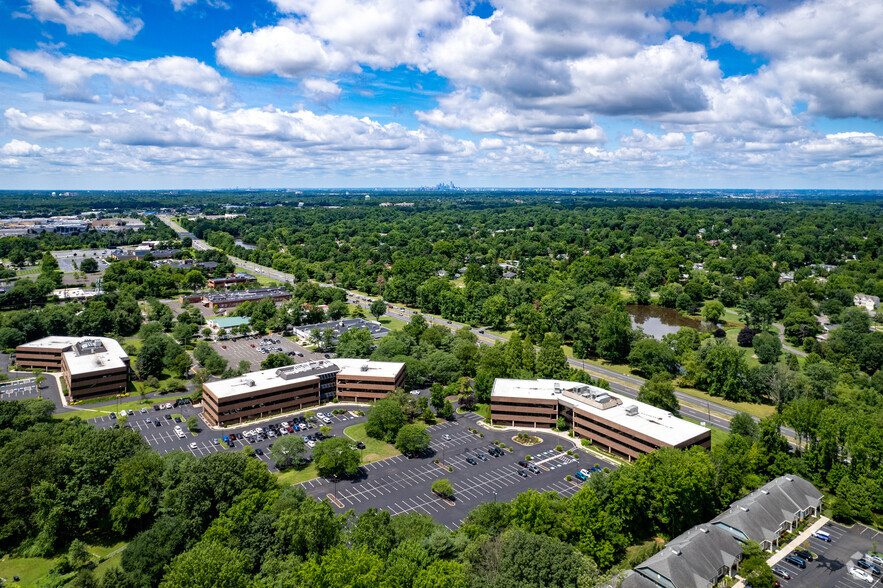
(181,434)
(193,445)
(326,420)
(862,575)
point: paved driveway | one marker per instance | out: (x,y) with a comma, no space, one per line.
(830,569)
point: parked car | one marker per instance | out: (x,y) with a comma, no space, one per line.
(804,554)
(481,456)
(580,475)
(794,560)
(865,564)
(781,572)
(168,417)
(157,407)
(226,438)
(471,461)
(823,535)
(360,445)
(874,557)
(533,468)
(143,410)
(193,445)
(522,473)
(861,575)
(157,423)
(522,463)
(113,415)
(446,437)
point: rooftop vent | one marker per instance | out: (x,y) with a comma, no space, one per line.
(557,388)
(764,491)
(675,551)
(703,530)
(745,508)
(789,478)
(632,410)
(249,382)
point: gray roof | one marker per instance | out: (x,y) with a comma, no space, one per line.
(694,559)
(759,516)
(341,326)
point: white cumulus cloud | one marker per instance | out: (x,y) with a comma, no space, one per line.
(88,17)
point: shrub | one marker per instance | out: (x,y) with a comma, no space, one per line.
(510,450)
(481,435)
(586,442)
(528,458)
(558,448)
(436,460)
(568,477)
(450,468)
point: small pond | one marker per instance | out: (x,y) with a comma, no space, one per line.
(245,245)
(658,321)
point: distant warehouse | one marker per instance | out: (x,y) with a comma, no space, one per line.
(91,366)
(340,327)
(286,389)
(231,280)
(623,426)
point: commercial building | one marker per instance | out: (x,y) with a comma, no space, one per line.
(225,300)
(230,280)
(91,366)
(134,254)
(304,332)
(267,392)
(708,553)
(227,322)
(361,380)
(277,391)
(618,424)
(78,294)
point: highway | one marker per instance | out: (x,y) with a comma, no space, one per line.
(714,414)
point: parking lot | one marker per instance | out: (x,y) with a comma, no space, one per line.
(402,485)
(249,349)
(833,562)
(163,438)
(66,259)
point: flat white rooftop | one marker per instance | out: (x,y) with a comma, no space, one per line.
(629,414)
(365,367)
(253,382)
(109,355)
(52,342)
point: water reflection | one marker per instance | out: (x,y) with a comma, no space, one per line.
(658,321)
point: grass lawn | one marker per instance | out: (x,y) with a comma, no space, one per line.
(263,281)
(718,437)
(293,476)
(505,334)
(111,562)
(481,409)
(28,272)
(393,324)
(28,569)
(375,449)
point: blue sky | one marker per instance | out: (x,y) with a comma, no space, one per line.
(397,93)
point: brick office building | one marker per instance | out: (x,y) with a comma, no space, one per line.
(90,366)
(276,391)
(623,426)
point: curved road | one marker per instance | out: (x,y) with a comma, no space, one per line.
(781,328)
(715,415)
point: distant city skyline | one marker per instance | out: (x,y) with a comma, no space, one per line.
(353,94)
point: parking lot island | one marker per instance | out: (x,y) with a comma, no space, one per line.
(625,427)
(276,391)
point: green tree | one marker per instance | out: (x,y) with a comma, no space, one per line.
(650,356)
(494,311)
(713,311)
(551,361)
(659,391)
(276,360)
(334,457)
(745,425)
(754,568)
(355,343)
(724,371)
(195,280)
(192,423)
(89,265)
(385,419)
(412,438)
(377,308)
(437,396)
(288,450)
(642,293)
(443,487)
(209,565)
(442,574)
(447,410)
(767,347)
(615,336)
(151,357)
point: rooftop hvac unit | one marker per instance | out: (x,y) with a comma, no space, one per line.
(602,398)
(249,382)
(557,388)
(364,367)
(632,410)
